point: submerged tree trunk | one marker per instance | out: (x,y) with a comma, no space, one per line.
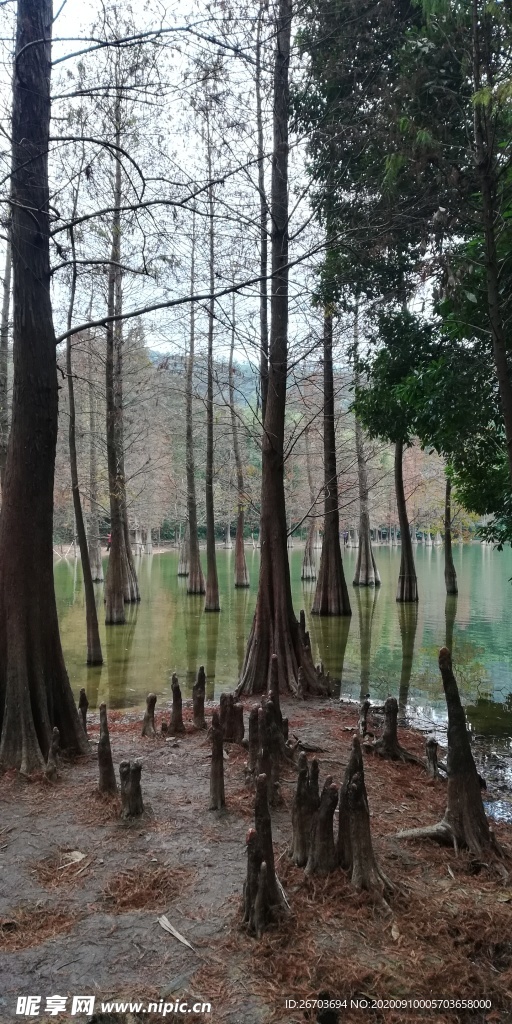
(408,618)
(121,581)
(275,629)
(241,573)
(35,695)
(211,603)
(450,576)
(94,655)
(331,596)
(407,583)
(94,541)
(4,349)
(195,584)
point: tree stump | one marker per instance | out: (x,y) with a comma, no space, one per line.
(322,853)
(464,823)
(131,794)
(148,725)
(366,873)
(431,752)
(217,797)
(387,745)
(198,696)
(83,704)
(176,723)
(53,754)
(363,715)
(107,781)
(302,816)
(354,766)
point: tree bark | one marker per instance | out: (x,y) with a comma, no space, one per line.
(148,725)
(308,562)
(263,226)
(407,582)
(217,797)
(107,780)
(322,853)
(4,350)
(94,655)
(241,573)
(35,695)
(211,603)
(121,582)
(94,541)
(198,695)
(366,574)
(131,793)
(408,618)
(275,629)
(450,576)
(331,595)
(184,556)
(195,584)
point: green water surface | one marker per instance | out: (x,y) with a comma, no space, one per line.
(384,648)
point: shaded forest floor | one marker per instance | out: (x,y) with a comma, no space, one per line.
(88,925)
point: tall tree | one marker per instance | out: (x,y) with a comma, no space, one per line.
(35,695)
(4,351)
(195,582)
(275,629)
(241,572)
(211,603)
(331,595)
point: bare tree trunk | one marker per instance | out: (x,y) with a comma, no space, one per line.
(94,528)
(211,603)
(366,574)
(407,582)
(408,618)
(450,576)
(4,349)
(195,583)
(331,596)
(308,562)
(241,573)
(263,226)
(35,695)
(94,655)
(121,581)
(275,629)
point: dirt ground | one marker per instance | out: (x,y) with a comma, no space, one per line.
(81,892)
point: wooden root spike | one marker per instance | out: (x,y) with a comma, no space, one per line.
(198,696)
(148,725)
(217,797)
(322,853)
(131,793)
(302,814)
(83,704)
(107,780)
(176,724)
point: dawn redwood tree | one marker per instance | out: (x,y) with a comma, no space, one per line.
(93,533)
(211,603)
(275,629)
(450,575)
(195,582)
(331,595)
(4,349)
(241,573)
(35,695)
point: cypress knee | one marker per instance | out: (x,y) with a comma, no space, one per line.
(322,853)
(107,781)
(148,725)
(217,797)
(176,724)
(131,794)
(302,813)
(83,704)
(198,696)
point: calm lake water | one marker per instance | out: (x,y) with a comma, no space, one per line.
(383,649)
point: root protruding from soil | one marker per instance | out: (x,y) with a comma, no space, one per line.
(217,795)
(366,873)
(303,809)
(262,900)
(107,781)
(387,745)
(83,704)
(322,853)
(131,793)
(148,725)
(176,723)
(198,696)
